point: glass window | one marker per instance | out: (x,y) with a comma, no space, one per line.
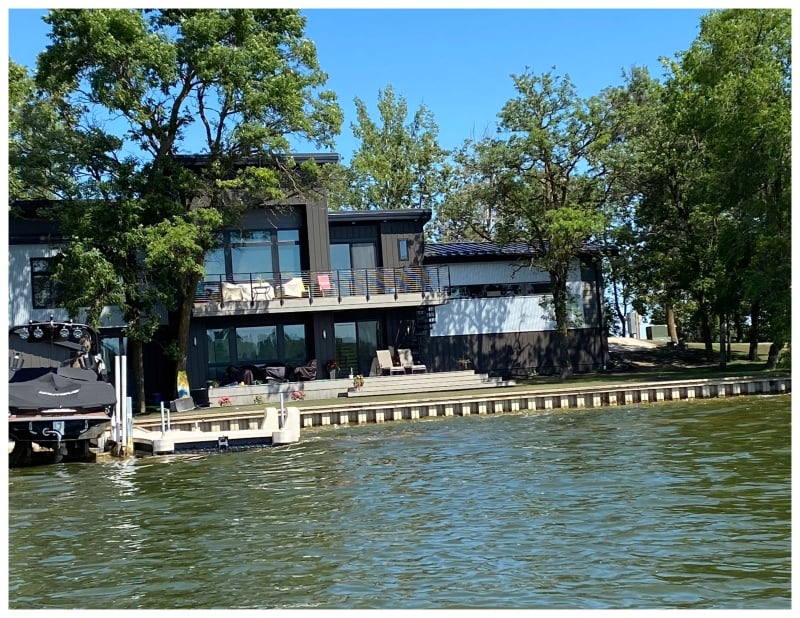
(402,249)
(340,256)
(251,253)
(364,255)
(294,345)
(256,343)
(47,293)
(289,252)
(218,346)
(356,343)
(215,264)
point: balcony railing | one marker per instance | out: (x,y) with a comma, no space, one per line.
(311,285)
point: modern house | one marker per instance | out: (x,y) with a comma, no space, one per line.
(296,283)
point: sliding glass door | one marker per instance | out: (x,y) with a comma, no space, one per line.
(356,344)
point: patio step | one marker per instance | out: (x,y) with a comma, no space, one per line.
(422,382)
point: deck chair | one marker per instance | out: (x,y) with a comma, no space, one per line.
(386,364)
(325,285)
(407,361)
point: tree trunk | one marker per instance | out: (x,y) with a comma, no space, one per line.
(184,319)
(560,298)
(774,354)
(671,328)
(723,353)
(705,331)
(619,311)
(755,312)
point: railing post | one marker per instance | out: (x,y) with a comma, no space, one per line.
(394,278)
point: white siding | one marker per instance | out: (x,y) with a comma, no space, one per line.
(509,314)
(20,300)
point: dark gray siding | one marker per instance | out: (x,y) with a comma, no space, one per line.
(317,236)
(394,231)
(515,353)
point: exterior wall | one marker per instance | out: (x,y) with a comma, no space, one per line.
(509,354)
(20,291)
(395,231)
(510,335)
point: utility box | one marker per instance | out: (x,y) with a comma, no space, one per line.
(181,405)
(657,332)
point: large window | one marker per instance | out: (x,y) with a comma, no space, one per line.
(282,344)
(251,253)
(46,292)
(256,254)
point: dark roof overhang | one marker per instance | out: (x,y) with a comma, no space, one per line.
(422,215)
(455,252)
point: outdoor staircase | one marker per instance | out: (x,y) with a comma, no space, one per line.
(426,382)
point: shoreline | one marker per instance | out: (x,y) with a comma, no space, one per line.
(411,406)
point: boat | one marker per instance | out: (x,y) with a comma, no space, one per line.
(60,402)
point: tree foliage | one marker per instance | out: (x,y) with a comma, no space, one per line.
(544,184)
(709,161)
(399,163)
(138,91)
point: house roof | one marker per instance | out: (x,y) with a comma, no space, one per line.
(395,214)
(481,251)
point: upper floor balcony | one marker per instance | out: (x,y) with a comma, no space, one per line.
(269,292)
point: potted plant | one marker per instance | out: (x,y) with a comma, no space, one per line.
(332,366)
(298,395)
(358,381)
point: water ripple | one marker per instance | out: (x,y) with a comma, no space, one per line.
(663,506)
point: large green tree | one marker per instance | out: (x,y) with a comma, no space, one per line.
(232,85)
(709,163)
(740,71)
(399,162)
(544,183)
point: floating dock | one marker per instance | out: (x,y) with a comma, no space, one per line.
(272,427)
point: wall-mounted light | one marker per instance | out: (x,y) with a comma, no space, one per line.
(324,334)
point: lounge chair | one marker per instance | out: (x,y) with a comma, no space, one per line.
(309,372)
(407,361)
(386,364)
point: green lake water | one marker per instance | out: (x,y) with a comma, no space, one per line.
(676,505)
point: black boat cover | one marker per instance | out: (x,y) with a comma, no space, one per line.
(69,388)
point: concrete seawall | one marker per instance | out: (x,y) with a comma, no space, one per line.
(412,406)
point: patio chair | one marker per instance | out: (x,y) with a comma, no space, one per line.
(309,372)
(407,361)
(325,285)
(386,364)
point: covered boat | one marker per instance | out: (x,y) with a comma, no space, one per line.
(58,396)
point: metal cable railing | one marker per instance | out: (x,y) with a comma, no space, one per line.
(311,285)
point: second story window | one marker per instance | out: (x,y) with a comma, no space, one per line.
(251,252)
(402,249)
(254,254)
(46,292)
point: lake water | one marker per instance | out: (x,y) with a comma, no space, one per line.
(662,506)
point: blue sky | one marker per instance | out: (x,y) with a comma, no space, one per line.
(458,61)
